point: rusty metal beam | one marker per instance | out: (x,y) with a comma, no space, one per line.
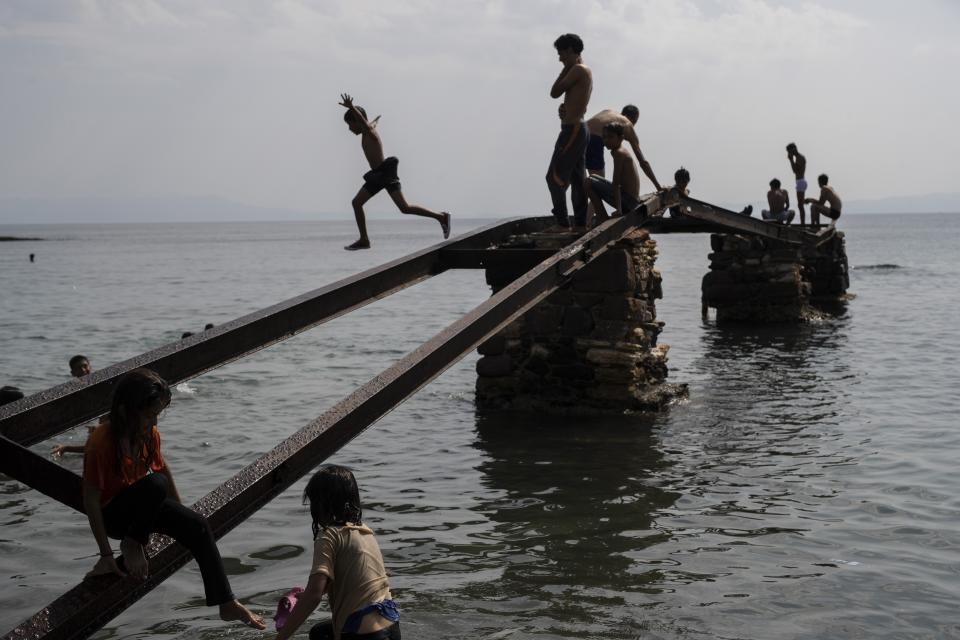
(736,223)
(48,413)
(41,474)
(91,604)
(484,258)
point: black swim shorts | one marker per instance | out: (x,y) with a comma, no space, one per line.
(383,177)
(594,155)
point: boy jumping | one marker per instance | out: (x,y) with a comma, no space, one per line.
(382,175)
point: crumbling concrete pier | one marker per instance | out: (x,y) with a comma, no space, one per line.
(761,280)
(590,347)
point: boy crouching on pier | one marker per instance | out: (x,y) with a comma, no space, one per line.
(623,194)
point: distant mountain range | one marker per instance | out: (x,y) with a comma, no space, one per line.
(926,203)
(215,209)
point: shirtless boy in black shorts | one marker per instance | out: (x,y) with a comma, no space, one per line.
(382,175)
(575,84)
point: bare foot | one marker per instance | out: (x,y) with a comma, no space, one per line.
(233,610)
(106,565)
(359,244)
(134,558)
(445,224)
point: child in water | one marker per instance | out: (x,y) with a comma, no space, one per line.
(347,565)
(129,493)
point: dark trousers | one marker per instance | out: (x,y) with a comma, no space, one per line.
(324,631)
(567,164)
(144,508)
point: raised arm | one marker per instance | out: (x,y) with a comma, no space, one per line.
(631,135)
(306,603)
(347,101)
(568,77)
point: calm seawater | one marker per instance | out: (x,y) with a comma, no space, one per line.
(807,489)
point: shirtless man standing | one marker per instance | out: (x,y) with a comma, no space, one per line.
(827,197)
(382,175)
(798,164)
(575,83)
(627,118)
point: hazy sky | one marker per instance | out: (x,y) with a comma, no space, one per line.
(238,99)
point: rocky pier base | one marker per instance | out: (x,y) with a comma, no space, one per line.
(590,347)
(758,280)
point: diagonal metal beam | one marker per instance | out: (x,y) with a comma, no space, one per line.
(91,604)
(41,474)
(736,223)
(43,415)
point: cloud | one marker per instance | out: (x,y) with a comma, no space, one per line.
(237,98)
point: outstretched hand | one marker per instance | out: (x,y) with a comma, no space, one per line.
(346,100)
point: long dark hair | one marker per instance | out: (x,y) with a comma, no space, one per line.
(334,498)
(136,391)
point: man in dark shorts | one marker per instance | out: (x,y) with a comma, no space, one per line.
(382,175)
(829,203)
(575,83)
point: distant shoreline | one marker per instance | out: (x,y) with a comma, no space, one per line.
(16,239)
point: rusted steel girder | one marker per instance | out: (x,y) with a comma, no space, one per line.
(732,222)
(41,474)
(91,604)
(521,259)
(48,413)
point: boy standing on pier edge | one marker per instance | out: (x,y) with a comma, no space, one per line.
(575,83)
(798,164)
(382,175)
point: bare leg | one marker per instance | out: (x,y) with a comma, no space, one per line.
(233,610)
(598,208)
(415,210)
(590,207)
(815,213)
(358,201)
(801,207)
(134,558)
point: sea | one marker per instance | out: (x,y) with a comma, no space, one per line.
(807,488)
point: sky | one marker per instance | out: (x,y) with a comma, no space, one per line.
(237,99)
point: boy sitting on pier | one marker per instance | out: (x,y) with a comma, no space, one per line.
(623,194)
(681,180)
(778,200)
(382,175)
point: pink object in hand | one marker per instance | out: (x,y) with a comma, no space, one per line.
(286,605)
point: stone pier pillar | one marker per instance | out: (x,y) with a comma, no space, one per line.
(754,279)
(590,347)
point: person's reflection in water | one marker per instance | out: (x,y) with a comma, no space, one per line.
(579,499)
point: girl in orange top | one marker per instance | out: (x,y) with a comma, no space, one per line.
(129,493)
